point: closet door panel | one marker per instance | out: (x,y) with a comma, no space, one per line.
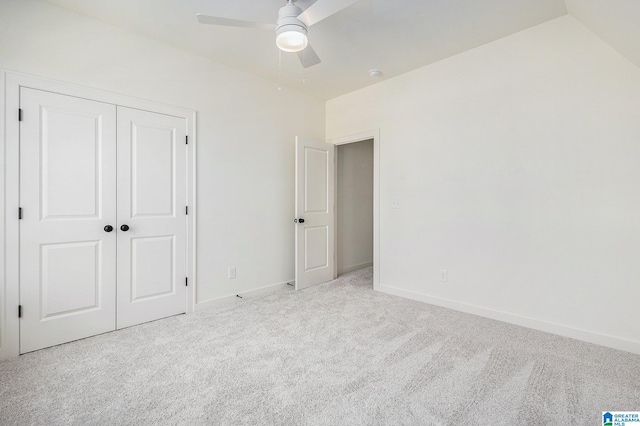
(151,216)
(68,196)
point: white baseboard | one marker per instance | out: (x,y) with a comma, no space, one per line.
(348,269)
(561,330)
(234,299)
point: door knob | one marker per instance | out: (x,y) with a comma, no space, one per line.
(108,228)
(124,228)
(301,220)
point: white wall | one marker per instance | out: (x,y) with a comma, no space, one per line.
(246,130)
(614,21)
(354,202)
(517,168)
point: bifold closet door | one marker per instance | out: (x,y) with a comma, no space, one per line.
(68,201)
(151,216)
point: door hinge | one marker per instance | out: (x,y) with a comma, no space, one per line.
(19,213)
(186,210)
(186,281)
(186,139)
(19,114)
(19,311)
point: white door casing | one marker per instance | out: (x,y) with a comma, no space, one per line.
(68,195)
(151,202)
(314,202)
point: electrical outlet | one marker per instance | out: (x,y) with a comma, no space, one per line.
(443,275)
(395,204)
(232,272)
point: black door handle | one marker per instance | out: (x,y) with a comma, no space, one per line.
(124,228)
(108,228)
(301,220)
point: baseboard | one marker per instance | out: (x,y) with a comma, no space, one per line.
(561,330)
(234,299)
(348,269)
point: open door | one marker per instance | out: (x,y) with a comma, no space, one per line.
(314,215)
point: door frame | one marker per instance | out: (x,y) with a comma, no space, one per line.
(360,137)
(11,82)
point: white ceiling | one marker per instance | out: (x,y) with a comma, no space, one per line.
(394,36)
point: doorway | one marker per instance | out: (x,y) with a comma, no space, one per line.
(354,206)
(315,212)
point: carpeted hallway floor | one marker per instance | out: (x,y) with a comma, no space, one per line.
(335,354)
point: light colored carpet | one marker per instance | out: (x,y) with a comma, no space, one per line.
(337,354)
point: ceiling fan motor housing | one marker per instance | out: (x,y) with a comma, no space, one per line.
(291,33)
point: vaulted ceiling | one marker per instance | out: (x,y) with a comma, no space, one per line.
(390,35)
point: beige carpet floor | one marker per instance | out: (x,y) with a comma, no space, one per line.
(335,354)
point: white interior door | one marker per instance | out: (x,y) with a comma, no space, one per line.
(68,197)
(151,216)
(314,213)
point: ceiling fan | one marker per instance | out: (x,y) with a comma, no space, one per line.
(291,26)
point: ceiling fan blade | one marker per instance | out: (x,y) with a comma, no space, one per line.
(308,57)
(323,9)
(216,20)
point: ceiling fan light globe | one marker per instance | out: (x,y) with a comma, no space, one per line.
(291,38)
